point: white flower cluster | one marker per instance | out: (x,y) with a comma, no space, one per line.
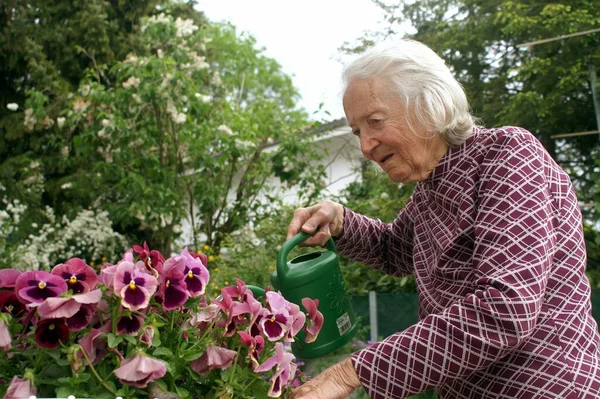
(89,235)
(131,82)
(176,116)
(185,27)
(9,219)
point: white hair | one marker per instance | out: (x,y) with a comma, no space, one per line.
(424,84)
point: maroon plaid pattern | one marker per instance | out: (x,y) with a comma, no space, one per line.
(494,238)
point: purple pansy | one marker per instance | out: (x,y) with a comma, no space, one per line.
(129,324)
(196,274)
(78,275)
(173,289)
(50,333)
(134,286)
(82,318)
(37,286)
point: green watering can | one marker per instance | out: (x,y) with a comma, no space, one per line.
(316,275)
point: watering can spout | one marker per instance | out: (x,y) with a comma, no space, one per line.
(316,275)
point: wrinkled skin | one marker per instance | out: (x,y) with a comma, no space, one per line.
(336,382)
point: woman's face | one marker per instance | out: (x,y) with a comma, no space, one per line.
(379,120)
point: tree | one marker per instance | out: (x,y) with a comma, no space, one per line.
(180,124)
(543,88)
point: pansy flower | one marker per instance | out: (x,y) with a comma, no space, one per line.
(82,318)
(277,322)
(20,388)
(214,357)
(129,324)
(49,333)
(8,277)
(9,303)
(255,346)
(285,369)
(37,286)
(153,259)
(95,343)
(133,286)
(5,338)
(79,276)
(196,274)
(107,275)
(173,289)
(140,369)
(56,308)
(315,319)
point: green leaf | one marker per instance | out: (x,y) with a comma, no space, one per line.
(114,340)
(163,352)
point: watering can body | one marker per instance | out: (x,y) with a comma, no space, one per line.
(316,275)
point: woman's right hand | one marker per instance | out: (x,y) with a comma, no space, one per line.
(326,217)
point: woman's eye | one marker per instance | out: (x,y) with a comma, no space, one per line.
(375,122)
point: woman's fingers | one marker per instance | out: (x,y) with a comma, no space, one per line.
(321,218)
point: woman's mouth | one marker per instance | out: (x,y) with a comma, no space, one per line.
(385,158)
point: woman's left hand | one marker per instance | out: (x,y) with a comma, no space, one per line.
(337,382)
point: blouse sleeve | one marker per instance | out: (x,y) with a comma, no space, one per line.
(514,237)
(384,246)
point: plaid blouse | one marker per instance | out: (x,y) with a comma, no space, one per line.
(494,239)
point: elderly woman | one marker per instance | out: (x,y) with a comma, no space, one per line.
(492,234)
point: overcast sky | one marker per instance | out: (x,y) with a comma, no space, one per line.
(304,37)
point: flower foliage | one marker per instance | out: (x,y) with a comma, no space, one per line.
(144,326)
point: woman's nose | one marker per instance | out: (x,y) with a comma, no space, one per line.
(367,144)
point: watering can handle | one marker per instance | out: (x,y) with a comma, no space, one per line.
(257,291)
(282,267)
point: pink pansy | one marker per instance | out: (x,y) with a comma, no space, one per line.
(134,286)
(94,344)
(152,259)
(130,324)
(315,319)
(5,339)
(37,286)
(20,388)
(140,369)
(8,277)
(206,315)
(298,319)
(196,274)
(286,369)
(199,255)
(173,289)
(255,346)
(214,357)
(55,308)
(147,336)
(79,276)
(107,275)
(239,291)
